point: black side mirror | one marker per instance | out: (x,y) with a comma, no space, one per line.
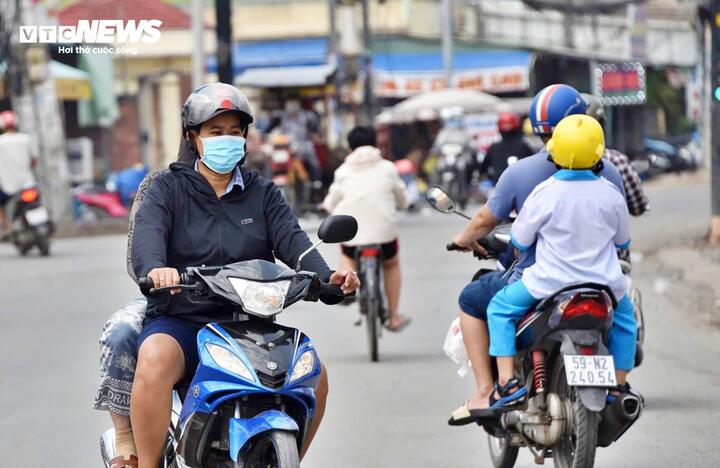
(335,229)
(338,228)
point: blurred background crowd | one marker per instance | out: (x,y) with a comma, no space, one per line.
(315,68)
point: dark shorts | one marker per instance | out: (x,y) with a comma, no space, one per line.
(389,250)
(476,296)
(4,198)
(184,332)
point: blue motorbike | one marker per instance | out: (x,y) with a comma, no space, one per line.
(252,399)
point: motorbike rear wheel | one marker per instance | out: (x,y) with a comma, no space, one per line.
(273,449)
(43,244)
(502,454)
(576,449)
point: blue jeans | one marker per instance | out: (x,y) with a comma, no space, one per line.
(476,296)
(514,301)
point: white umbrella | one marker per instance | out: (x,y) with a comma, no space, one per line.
(471,101)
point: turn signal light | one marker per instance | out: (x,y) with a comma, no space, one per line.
(29,195)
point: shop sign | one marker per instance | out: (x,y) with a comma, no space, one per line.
(620,84)
(491,80)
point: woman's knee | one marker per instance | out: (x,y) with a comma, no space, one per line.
(160,360)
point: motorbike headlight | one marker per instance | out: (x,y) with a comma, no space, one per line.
(303,366)
(265,299)
(229,361)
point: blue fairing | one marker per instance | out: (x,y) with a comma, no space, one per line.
(212,386)
(242,430)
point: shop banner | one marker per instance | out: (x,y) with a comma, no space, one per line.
(490,80)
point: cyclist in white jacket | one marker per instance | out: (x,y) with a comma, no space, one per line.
(368,187)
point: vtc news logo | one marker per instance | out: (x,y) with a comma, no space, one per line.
(94,32)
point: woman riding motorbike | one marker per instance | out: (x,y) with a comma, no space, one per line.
(206,209)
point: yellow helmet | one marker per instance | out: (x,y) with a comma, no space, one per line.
(577,142)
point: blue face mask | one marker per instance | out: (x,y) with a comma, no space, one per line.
(222,153)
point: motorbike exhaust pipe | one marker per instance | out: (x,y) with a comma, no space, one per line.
(617,418)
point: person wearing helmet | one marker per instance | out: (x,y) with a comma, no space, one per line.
(508,150)
(635,195)
(577,219)
(548,108)
(207,190)
(16,163)
(453,130)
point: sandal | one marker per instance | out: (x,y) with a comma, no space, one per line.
(464,415)
(122,462)
(507,400)
(398,328)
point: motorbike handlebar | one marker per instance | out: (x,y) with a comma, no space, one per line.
(147,286)
(327,289)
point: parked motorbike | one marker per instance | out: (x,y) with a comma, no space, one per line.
(291,176)
(408,173)
(31,225)
(564,363)
(252,398)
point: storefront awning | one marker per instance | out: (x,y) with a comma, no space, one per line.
(271,54)
(72,84)
(403,74)
(285,77)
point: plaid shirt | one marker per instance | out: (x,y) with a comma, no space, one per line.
(637,202)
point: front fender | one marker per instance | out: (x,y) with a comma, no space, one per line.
(242,430)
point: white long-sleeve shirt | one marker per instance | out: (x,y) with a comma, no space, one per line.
(368,187)
(577,219)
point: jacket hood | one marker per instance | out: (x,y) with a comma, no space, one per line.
(364,155)
(200,185)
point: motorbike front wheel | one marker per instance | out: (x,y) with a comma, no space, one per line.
(372,318)
(273,449)
(502,454)
(576,449)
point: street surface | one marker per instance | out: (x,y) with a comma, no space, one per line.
(388,414)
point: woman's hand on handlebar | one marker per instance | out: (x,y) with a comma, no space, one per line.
(163,277)
(347,280)
(465,246)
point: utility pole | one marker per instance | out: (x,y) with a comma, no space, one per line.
(447,42)
(223,14)
(715,119)
(367,65)
(198,55)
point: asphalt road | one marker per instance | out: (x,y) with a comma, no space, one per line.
(388,414)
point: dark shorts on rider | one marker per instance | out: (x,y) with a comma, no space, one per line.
(184,332)
(4,198)
(476,296)
(389,249)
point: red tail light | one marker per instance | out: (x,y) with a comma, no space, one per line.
(29,195)
(595,306)
(587,350)
(370,253)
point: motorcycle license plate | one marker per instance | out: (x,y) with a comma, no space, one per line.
(37,216)
(590,371)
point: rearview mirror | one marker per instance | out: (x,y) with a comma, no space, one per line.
(338,228)
(440,200)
